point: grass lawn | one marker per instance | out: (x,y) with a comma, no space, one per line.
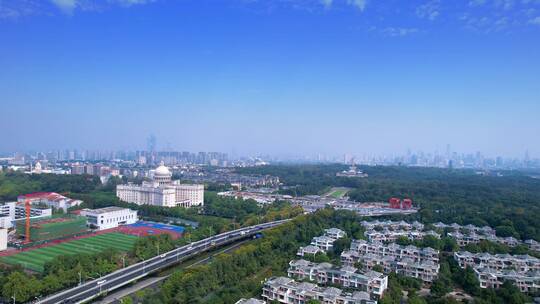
(35,259)
(338,192)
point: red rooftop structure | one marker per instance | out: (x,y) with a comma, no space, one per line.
(396,203)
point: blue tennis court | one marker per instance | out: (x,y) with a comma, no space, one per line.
(159,226)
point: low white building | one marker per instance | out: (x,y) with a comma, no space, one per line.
(6,222)
(7,215)
(11,211)
(35,211)
(3,239)
(109,217)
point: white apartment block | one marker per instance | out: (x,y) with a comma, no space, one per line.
(392,235)
(20,211)
(485,230)
(493,270)
(162,191)
(288,291)
(362,247)
(335,233)
(6,222)
(525,281)
(109,217)
(421,263)
(322,243)
(463,239)
(308,250)
(7,215)
(249,301)
(521,263)
(11,211)
(3,239)
(373,282)
(395,225)
(533,245)
(425,270)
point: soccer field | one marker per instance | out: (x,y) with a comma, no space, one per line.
(35,259)
(338,192)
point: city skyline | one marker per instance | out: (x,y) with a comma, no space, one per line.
(447,159)
(279,77)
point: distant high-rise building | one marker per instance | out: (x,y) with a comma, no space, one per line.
(151,143)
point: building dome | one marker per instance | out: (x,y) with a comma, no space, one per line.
(162,175)
(162,170)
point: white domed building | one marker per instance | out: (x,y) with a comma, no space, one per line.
(162,175)
(162,191)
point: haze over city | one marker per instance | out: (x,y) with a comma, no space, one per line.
(275,77)
(270,151)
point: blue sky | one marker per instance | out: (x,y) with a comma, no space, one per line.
(283,76)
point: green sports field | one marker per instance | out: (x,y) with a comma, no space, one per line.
(36,259)
(337,192)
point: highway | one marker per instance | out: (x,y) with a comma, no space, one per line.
(121,277)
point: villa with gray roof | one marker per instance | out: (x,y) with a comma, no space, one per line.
(322,243)
(288,291)
(372,282)
(421,263)
(493,270)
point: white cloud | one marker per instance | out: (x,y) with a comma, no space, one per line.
(19,8)
(360,4)
(477,2)
(69,6)
(133,2)
(66,6)
(327,3)
(429,10)
(9,13)
(504,4)
(535,21)
(399,31)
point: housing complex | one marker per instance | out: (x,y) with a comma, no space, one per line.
(373,282)
(288,291)
(471,234)
(493,270)
(421,263)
